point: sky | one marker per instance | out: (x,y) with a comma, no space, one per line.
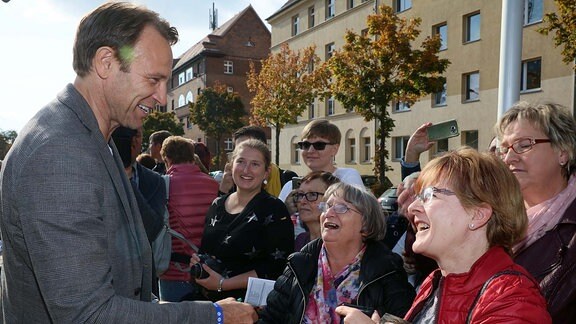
(36,39)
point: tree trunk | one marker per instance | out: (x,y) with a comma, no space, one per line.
(277,158)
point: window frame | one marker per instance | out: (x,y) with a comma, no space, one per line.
(441,94)
(524,75)
(526,17)
(403,144)
(295,24)
(402,5)
(466,79)
(330,106)
(329,50)
(468,37)
(311,16)
(228,67)
(400,106)
(330,9)
(436,30)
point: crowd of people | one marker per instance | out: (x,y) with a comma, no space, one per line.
(491,237)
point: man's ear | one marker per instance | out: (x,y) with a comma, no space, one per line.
(482,215)
(104,61)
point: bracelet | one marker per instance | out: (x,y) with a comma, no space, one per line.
(220,284)
(219,314)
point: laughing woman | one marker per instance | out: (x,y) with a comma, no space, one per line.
(249,231)
(347,264)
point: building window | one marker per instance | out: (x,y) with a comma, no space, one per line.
(199,91)
(329,48)
(440,147)
(470,138)
(401,5)
(228,144)
(442,30)
(440,97)
(189,97)
(181,78)
(349,4)
(188,123)
(181,100)
(189,74)
(400,146)
(532,11)
(228,67)
(230,89)
(471,86)
(472,27)
(400,106)
(531,74)
(295,153)
(311,17)
(330,8)
(199,68)
(295,23)
(311,111)
(366,149)
(330,106)
(351,150)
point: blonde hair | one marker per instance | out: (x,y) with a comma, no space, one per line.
(482,178)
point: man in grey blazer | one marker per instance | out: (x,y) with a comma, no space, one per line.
(75,249)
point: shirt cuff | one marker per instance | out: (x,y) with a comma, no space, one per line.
(409,164)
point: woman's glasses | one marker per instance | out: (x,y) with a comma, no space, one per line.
(310,196)
(337,208)
(522,145)
(318,146)
(428,193)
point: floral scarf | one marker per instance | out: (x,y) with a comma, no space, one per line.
(332,290)
(544,216)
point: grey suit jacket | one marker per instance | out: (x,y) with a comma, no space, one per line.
(75,249)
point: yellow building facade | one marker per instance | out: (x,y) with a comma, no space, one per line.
(470,31)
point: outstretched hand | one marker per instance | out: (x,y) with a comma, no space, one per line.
(418,143)
(235,312)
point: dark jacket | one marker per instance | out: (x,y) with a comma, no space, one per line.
(384,285)
(151,197)
(552,261)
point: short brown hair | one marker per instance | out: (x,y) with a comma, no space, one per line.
(178,149)
(322,128)
(479,178)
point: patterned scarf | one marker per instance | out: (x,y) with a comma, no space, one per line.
(544,216)
(331,291)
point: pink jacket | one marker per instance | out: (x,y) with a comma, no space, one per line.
(191,193)
(510,298)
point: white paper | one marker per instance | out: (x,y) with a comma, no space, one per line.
(258,290)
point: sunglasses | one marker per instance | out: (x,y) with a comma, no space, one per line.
(310,196)
(318,146)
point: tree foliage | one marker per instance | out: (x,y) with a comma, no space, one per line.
(372,71)
(563,23)
(7,138)
(156,121)
(218,112)
(284,87)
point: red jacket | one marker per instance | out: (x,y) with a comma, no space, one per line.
(511,298)
(191,193)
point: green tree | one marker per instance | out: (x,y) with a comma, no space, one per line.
(372,71)
(7,138)
(284,87)
(218,112)
(156,121)
(563,23)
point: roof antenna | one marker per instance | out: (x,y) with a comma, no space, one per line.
(213,23)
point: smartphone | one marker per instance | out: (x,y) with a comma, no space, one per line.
(296,181)
(443,130)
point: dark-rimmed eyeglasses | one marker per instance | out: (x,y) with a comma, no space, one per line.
(428,193)
(337,208)
(522,145)
(310,196)
(318,146)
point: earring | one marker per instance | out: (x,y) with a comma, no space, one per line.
(471,226)
(265,182)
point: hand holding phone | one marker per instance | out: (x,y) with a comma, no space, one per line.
(368,311)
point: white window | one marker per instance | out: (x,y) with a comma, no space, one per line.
(531,74)
(349,4)
(230,89)
(295,153)
(228,67)
(311,111)
(442,30)
(330,106)
(181,100)
(367,149)
(440,97)
(471,86)
(311,17)
(532,11)
(400,146)
(472,27)
(228,144)
(400,106)
(330,8)
(351,150)
(189,97)
(181,78)
(329,49)
(402,5)
(189,74)
(188,123)
(295,23)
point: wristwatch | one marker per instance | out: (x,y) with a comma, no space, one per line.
(220,284)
